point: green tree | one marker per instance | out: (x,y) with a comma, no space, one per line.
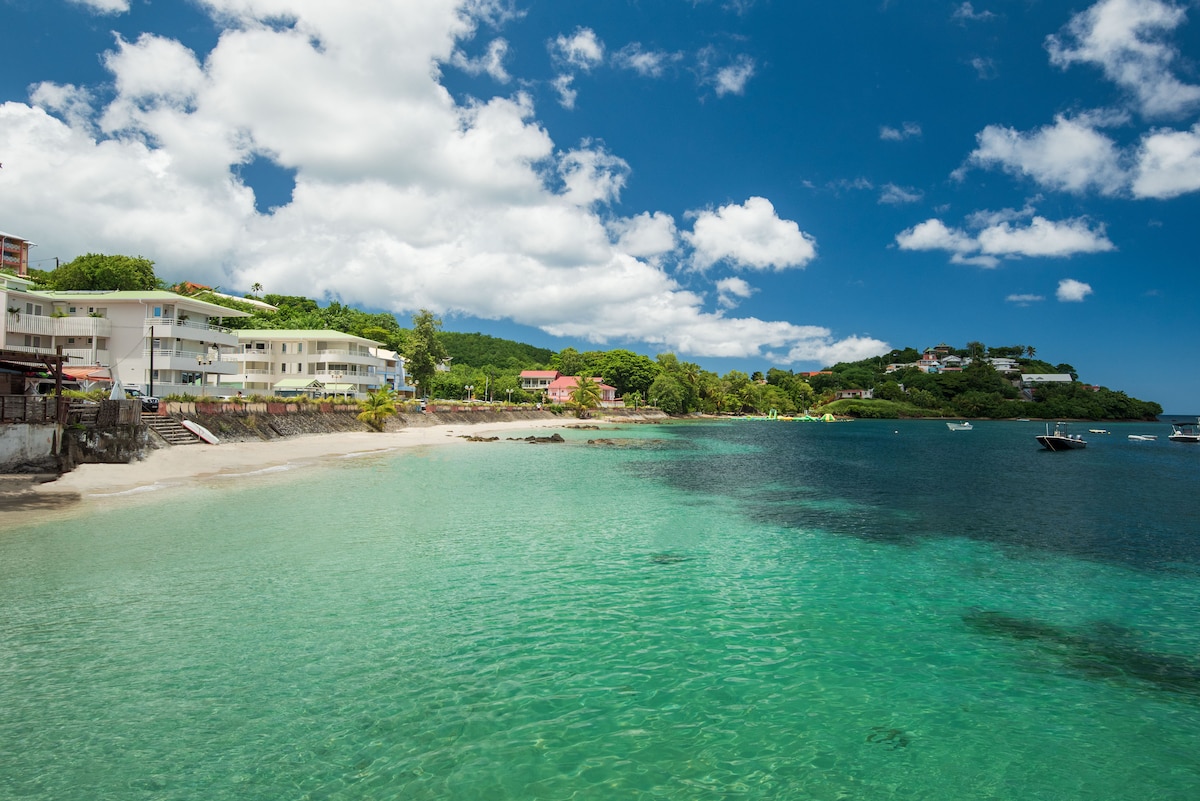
(628,371)
(423,352)
(585,396)
(377,407)
(98,271)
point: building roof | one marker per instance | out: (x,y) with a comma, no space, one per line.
(298,383)
(569,381)
(138,296)
(302,333)
(539,374)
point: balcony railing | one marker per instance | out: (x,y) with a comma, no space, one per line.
(58,326)
(175,322)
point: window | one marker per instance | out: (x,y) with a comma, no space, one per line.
(70,309)
(70,340)
(158,311)
(283,347)
(283,367)
(299,347)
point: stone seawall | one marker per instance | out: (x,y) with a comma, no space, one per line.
(252,422)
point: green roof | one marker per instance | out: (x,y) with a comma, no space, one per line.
(151,296)
(301,333)
(297,383)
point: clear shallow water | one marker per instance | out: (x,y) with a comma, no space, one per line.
(748,610)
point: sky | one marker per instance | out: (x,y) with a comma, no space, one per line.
(745,183)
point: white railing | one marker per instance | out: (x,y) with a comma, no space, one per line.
(158,322)
(58,326)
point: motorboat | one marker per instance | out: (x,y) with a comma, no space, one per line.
(1099,431)
(1143,437)
(1060,440)
(1185,432)
(963,426)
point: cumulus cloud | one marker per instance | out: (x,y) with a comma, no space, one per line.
(1168,164)
(1070,155)
(582,49)
(998,237)
(732,290)
(750,236)
(491,62)
(403,199)
(1072,291)
(1024,300)
(1127,40)
(906,131)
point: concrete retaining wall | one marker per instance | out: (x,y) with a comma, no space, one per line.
(28,447)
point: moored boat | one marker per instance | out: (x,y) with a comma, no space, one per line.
(1185,432)
(1060,440)
(1143,437)
(963,426)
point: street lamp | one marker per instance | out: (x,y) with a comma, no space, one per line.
(337,379)
(508,392)
(469,389)
(200,365)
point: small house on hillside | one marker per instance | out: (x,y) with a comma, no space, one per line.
(854,394)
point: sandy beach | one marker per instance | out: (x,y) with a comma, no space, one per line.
(173,467)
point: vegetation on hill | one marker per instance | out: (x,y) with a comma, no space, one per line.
(488,368)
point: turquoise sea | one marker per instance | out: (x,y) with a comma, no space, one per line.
(741,610)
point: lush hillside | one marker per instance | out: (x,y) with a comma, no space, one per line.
(481,350)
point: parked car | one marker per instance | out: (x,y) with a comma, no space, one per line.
(149,402)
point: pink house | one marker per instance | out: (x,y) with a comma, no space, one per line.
(560,389)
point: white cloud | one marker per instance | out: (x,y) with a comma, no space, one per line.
(582,49)
(566,94)
(1025,300)
(592,175)
(645,235)
(749,236)
(985,68)
(1000,238)
(1070,155)
(105,6)
(1168,164)
(647,63)
(733,290)
(967,13)
(1072,291)
(906,131)
(897,195)
(403,199)
(732,79)
(491,62)
(1125,38)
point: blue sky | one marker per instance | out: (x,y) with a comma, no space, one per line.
(746,183)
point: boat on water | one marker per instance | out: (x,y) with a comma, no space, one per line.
(1143,437)
(1060,440)
(1185,432)
(963,426)
(1099,430)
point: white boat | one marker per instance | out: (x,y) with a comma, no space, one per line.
(1099,430)
(1060,440)
(1143,437)
(1185,432)
(963,426)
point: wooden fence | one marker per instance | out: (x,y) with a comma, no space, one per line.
(30,409)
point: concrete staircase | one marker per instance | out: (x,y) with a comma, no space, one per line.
(169,429)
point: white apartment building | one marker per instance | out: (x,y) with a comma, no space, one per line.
(316,363)
(158,341)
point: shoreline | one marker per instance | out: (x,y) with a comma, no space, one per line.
(177,467)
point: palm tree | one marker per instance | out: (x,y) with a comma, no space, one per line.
(1031,350)
(380,404)
(585,396)
(256,288)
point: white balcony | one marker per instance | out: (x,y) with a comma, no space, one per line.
(189,330)
(58,326)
